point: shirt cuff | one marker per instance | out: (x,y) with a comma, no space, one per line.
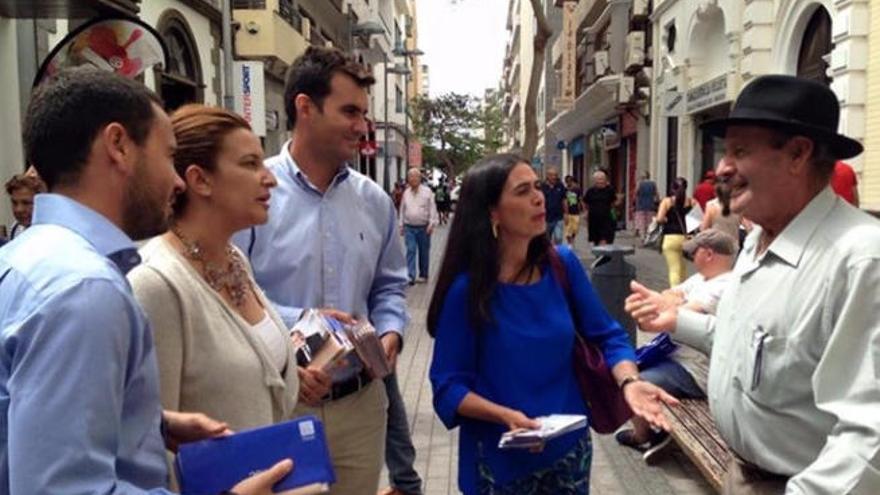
(692,328)
(446,404)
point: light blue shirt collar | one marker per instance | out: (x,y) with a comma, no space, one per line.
(300,178)
(108,239)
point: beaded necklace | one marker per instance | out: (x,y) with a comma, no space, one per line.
(232,278)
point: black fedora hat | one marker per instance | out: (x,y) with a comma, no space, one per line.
(787,103)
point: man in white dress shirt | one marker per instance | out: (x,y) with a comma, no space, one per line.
(794,377)
(418,217)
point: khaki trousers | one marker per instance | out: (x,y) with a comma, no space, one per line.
(746,479)
(355,427)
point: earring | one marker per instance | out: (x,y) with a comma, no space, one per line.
(495,230)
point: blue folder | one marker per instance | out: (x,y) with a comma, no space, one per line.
(211,466)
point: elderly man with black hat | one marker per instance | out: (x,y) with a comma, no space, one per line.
(794,377)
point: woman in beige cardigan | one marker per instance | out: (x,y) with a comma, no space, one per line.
(221,347)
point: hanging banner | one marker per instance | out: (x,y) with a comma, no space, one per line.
(565,100)
(249,92)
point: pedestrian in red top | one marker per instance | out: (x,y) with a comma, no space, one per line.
(844,183)
(705,190)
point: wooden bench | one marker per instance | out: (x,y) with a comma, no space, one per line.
(693,429)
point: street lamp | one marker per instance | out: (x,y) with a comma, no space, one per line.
(395,69)
(406,54)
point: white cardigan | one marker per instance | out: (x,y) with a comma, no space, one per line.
(210,360)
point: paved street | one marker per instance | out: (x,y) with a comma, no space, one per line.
(615,470)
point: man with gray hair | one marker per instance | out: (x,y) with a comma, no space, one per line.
(417,219)
(794,380)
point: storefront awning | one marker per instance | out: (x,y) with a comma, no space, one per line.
(591,109)
(65,9)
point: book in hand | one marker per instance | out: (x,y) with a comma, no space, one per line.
(213,466)
(319,341)
(551,427)
(369,348)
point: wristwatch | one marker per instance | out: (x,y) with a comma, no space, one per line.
(629,379)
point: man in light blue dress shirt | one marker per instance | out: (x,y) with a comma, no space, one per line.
(331,243)
(79,383)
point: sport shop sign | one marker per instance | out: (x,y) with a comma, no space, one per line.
(707,95)
(249,93)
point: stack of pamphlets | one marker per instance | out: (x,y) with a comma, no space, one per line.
(366,343)
(216,465)
(551,427)
(320,341)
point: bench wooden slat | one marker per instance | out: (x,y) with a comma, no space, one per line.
(691,437)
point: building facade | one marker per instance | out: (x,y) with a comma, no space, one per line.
(603,119)
(703,57)
(870,183)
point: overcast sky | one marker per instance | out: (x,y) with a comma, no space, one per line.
(463,41)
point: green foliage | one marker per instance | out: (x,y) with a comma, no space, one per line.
(450,128)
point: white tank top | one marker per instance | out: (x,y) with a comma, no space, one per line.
(275,341)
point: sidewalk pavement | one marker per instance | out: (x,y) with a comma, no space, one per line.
(616,470)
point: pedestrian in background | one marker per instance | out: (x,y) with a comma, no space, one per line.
(501,319)
(80,401)
(222,348)
(705,190)
(600,200)
(441,197)
(554,195)
(845,183)
(647,198)
(671,214)
(574,206)
(331,243)
(21,189)
(417,219)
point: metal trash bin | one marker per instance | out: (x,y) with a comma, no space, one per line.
(611,275)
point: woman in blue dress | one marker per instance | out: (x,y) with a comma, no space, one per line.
(504,337)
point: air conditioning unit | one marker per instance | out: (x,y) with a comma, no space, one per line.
(640,9)
(600,63)
(635,50)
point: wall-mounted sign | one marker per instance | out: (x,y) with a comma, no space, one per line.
(707,95)
(566,97)
(250,94)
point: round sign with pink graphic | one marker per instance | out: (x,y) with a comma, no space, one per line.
(126,46)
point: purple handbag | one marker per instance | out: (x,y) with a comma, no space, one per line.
(599,389)
(604,398)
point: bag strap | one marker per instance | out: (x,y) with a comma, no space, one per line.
(560,273)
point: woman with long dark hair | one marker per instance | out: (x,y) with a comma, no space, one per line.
(505,335)
(671,213)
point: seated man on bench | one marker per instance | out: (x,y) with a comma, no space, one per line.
(713,253)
